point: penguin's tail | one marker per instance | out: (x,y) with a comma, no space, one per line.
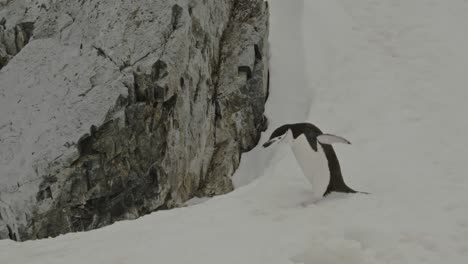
(353,191)
(364,193)
(347,190)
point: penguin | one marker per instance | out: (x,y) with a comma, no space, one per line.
(316,157)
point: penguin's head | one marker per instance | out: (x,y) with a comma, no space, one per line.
(281,134)
(287,133)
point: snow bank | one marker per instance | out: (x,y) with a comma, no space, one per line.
(290,96)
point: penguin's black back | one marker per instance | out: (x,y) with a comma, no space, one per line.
(297,130)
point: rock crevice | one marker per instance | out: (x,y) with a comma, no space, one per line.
(12,40)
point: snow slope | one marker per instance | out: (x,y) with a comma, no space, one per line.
(389,75)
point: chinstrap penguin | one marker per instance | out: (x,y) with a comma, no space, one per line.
(315,155)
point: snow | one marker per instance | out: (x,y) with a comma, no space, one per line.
(390,76)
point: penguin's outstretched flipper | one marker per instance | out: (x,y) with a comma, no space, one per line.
(331,139)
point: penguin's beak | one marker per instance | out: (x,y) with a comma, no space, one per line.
(288,136)
(272,141)
(268,143)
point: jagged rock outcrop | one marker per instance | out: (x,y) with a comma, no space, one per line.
(110,109)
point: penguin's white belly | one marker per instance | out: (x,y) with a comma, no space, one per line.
(314,165)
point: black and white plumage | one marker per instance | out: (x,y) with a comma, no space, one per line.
(315,155)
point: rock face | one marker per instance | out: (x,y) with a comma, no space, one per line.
(110,110)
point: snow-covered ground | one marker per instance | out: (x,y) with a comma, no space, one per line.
(390,75)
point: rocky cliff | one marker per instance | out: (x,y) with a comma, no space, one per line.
(110,110)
